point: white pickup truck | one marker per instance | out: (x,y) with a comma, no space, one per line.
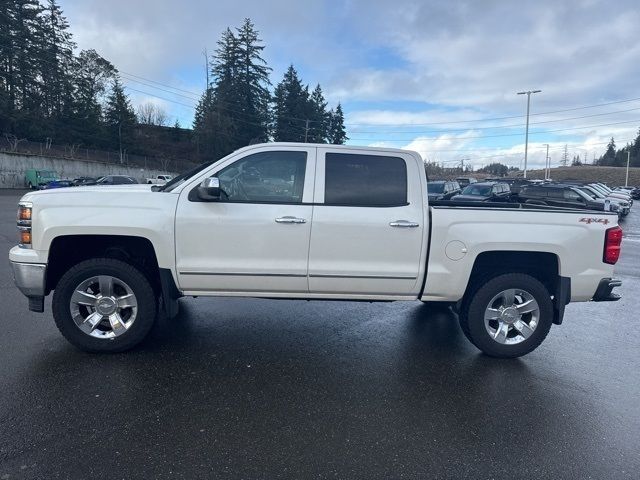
(159,179)
(302,221)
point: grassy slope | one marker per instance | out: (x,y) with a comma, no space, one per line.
(608,175)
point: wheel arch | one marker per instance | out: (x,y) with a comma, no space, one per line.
(544,266)
(68,250)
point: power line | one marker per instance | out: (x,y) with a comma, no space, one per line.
(506,134)
(494,118)
(424,132)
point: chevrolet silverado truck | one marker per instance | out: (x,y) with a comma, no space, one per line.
(302,221)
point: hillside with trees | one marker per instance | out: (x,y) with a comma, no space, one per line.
(614,157)
(52,93)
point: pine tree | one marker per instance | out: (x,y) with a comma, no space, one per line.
(609,156)
(319,117)
(337,133)
(119,116)
(290,109)
(56,61)
(253,85)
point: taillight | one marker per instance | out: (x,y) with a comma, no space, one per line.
(612,242)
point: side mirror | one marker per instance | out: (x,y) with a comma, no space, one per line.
(209,189)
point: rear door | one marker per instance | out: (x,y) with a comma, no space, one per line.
(368,224)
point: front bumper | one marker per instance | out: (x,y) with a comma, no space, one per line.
(30,278)
(604,293)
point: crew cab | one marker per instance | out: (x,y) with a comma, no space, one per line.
(304,221)
(159,179)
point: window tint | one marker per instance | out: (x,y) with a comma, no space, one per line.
(434,187)
(365,180)
(571,195)
(273,177)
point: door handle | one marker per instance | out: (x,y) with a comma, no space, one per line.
(404,224)
(290,220)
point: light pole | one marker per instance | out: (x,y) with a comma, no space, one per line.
(626,178)
(526,138)
(547,173)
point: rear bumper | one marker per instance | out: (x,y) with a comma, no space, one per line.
(604,293)
(30,279)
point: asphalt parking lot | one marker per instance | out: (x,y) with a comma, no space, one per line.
(255,388)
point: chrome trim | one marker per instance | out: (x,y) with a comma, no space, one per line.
(30,278)
(404,224)
(289,219)
(244,274)
(374,277)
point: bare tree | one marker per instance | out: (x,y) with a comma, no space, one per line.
(151,114)
(13,141)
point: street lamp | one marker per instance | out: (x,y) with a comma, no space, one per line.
(526,138)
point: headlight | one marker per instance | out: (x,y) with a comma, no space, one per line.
(24,224)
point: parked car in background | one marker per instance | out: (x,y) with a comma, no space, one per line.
(624,206)
(114,180)
(484,192)
(562,195)
(78,182)
(612,193)
(442,189)
(635,193)
(515,184)
(37,179)
(464,181)
(159,179)
(57,184)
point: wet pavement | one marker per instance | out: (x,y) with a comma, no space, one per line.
(237,388)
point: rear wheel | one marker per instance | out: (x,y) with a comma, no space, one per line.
(104,305)
(508,316)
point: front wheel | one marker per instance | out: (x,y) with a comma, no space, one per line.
(508,316)
(104,305)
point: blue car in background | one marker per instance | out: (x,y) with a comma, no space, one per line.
(57,184)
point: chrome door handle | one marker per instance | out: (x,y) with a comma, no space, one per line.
(290,220)
(404,224)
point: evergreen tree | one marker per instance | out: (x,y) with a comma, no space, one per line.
(119,116)
(290,109)
(609,156)
(319,117)
(253,82)
(337,133)
(56,62)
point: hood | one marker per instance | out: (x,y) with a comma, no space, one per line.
(137,187)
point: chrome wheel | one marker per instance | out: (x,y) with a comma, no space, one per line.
(103,307)
(511,316)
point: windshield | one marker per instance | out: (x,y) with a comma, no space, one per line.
(179,180)
(586,192)
(434,187)
(593,191)
(477,190)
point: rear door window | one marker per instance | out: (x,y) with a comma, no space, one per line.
(365,180)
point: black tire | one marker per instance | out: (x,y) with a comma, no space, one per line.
(472,312)
(134,278)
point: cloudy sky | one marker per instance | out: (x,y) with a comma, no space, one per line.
(439,77)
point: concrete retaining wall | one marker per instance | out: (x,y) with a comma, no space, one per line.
(13,167)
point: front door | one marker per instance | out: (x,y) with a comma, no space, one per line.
(368,235)
(256,237)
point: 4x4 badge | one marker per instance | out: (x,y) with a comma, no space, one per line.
(604,221)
